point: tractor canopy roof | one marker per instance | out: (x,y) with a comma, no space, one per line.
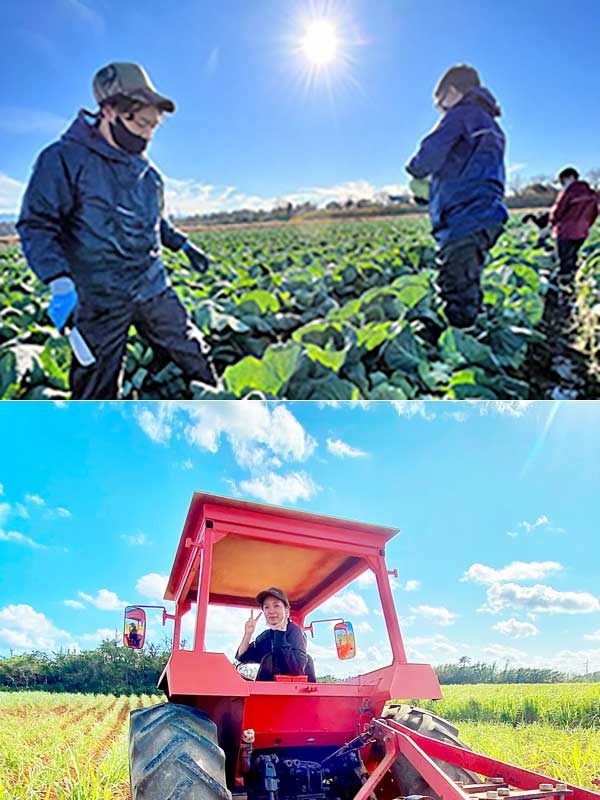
(250,546)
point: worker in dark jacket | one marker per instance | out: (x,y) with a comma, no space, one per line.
(571,217)
(92,225)
(280,650)
(463,158)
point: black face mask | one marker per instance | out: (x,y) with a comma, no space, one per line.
(128,141)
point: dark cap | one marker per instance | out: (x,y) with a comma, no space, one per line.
(272,592)
(125,79)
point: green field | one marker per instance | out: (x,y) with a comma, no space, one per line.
(340,311)
(74,747)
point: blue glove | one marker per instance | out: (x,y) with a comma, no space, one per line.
(198,260)
(63,301)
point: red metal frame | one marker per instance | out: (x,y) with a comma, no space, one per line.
(420,750)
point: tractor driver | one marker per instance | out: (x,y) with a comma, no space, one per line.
(280,650)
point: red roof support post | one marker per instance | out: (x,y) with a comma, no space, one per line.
(390,614)
(206,553)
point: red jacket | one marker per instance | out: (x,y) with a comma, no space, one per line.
(574,211)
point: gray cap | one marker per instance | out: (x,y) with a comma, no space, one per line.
(128,80)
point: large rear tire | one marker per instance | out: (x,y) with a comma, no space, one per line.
(174,755)
(428,724)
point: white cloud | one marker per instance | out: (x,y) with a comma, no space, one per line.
(350,603)
(21,511)
(18,121)
(23,628)
(457,416)
(4,512)
(542,521)
(135,540)
(512,408)
(512,168)
(156,426)
(515,629)
(228,622)
(277,489)
(19,538)
(193,197)
(363,627)
(35,499)
(100,635)
(412,586)
(343,450)
(74,604)
(261,435)
(541,599)
(412,408)
(593,636)
(438,615)
(426,648)
(516,571)
(255,430)
(212,62)
(105,600)
(366,579)
(61,512)
(187,464)
(152,585)
(504,653)
(88,16)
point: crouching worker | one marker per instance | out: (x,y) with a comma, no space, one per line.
(92,225)
(571,217)
(464,159)
(280,650)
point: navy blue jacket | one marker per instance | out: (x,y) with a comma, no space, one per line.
(95,213)
(464,155)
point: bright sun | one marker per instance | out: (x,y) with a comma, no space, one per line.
(320,43)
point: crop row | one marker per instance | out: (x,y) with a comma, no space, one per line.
(342,311)
(564,705)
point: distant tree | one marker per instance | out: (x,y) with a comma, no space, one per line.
(594,178)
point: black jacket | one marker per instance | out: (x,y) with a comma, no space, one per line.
(286,651)
(95,213)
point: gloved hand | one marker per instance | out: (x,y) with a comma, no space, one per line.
(419,188)
(63,301)
(198,260)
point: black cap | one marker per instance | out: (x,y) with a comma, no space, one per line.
(273,592)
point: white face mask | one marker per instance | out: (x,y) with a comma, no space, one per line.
(567,183)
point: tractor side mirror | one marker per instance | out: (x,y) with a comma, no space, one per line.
(344,640)
(134,627)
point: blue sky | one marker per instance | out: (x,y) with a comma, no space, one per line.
(496,505)
(251,127)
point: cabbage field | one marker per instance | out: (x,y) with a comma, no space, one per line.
(339,311)
(74,746)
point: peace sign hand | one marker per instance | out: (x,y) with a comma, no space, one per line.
(251,623)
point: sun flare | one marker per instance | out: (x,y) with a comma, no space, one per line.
(320,43)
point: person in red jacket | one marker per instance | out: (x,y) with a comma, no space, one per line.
(571,217)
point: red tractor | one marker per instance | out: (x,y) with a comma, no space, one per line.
(224,736)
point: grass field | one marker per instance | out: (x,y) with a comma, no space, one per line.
(74,747)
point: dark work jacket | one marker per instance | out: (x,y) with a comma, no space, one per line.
(464,155)
(95,213)
(287,648)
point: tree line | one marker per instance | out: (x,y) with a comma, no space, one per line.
(114,669)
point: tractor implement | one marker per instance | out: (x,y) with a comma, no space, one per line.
(224,736)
